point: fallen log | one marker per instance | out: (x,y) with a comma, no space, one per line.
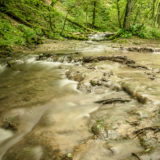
(17,18)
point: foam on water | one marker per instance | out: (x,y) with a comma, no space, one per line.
(155,156)
(97,36)
(70,83)
(2,68)
(48,63)
(38,152)
(5,134)
(30,60)
(29,118)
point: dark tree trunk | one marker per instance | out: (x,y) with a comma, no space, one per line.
(153,12)
(64,24)
(158,15)
(86,18)
(126,23)
(153,8)
(94,14)
(119,14)
(136,16)
(50,19)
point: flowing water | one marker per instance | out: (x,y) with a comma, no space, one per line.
(46,116)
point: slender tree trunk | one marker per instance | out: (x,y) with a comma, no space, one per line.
(119,14)
(136,16)
(50,18)
(153,8)
(86,18)
(126,23)
(153,12)
(64,24)
(158,15)
(94,14)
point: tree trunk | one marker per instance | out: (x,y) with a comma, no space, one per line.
(153,8)
(86,18)
(136,16)
(126,23)
(94,14)
(119,14)
(64,24)
(158,15)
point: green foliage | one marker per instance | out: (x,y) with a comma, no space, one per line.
(9,34)
(30,35)
(36,19)
(150,33)
(124,33)
(136,29)
(140,31)
(18,34)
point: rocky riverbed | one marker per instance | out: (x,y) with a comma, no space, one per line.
(89,101)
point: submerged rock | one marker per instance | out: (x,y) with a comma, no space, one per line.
(11,63)
(14,63)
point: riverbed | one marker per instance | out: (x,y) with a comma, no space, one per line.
(86,101)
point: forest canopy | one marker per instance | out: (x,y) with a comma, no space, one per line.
(28,21)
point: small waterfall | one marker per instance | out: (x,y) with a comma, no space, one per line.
(98,36)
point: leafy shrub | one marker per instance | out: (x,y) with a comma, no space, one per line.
(136,29)
(10,34)
(124,33)
(31,35)
(140,31)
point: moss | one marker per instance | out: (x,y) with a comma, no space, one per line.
(71,36)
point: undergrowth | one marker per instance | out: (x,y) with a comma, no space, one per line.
(28,22)
(141,31)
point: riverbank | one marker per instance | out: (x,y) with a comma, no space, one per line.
(131,44)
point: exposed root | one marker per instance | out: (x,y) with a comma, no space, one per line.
(141,131)
(120,59)
(112,100)
(136,156)
(139,49)
(140,98)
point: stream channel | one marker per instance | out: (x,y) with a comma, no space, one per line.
(94,102)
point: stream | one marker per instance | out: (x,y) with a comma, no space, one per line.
(99,103)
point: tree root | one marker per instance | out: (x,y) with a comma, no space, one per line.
(112,100)
(141,131)
(136,156)
(120,59)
